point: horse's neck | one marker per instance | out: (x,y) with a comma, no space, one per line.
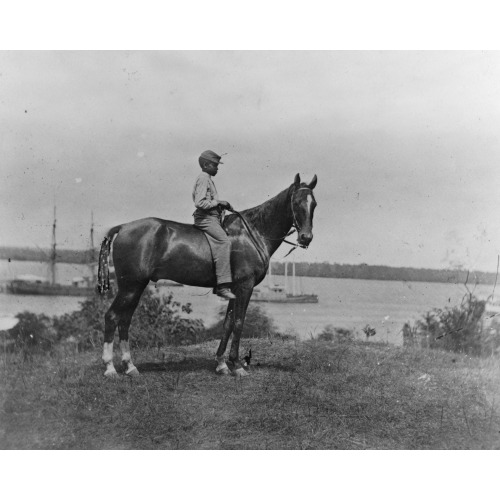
(273,219)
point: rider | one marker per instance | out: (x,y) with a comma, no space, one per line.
(208,217)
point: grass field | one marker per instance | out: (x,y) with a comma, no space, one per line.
(300,395)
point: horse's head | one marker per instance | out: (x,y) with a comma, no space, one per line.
(302,205)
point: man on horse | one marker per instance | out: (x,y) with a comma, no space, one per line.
(208,217)
(152,249)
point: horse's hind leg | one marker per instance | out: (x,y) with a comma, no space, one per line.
(120,314)
(222,368)
(110,322)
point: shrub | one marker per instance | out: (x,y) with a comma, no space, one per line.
(331,333)
(33,333)
(160,320)
(257,325)
(86,325)
(157,321)
(327,336)
(457,329)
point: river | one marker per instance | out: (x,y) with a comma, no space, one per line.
(346,303)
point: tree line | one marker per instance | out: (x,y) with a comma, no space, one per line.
(375,272)
(64,256)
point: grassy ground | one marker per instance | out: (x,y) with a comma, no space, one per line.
(300,395)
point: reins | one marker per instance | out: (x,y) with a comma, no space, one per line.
(249,232)
(295,228)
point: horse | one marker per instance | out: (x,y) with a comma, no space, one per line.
(151,249)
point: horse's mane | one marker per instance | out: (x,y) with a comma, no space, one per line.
(257,216)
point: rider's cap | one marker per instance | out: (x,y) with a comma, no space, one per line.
(210,156)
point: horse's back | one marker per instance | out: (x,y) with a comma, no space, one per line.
(154,223)
(154,248)
(151,249)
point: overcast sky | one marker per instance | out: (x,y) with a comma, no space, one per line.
(404,144)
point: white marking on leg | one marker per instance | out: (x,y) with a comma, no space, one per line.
(107,357)
(130,368)
(222,368)
(107,352)
(125,348)
(241,372)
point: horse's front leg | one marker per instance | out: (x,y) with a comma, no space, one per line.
(107,358)
(222,368)
(243,294)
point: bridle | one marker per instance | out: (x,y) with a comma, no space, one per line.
(295,225)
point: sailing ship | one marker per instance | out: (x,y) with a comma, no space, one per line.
(278,293)
(36,285)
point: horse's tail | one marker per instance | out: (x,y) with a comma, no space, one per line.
(103,272)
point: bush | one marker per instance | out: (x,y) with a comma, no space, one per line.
(33,333)
(331,333)
(457,329)
(257,325)
(157,321)
(86,326)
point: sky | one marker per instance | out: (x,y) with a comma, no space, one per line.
(404,145)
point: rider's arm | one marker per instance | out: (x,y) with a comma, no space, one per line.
(201,194)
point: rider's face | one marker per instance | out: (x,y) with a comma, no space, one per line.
(211,168)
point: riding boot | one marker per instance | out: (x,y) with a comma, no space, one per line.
(223,290)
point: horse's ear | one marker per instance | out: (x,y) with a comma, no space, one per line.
(312,184)
(297,181)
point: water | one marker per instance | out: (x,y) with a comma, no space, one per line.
(353,304)
(49,305)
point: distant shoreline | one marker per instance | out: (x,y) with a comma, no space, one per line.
(43,255)
(308,269)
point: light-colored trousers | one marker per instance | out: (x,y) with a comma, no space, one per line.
(219,244)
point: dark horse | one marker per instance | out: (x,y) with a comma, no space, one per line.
(152,249)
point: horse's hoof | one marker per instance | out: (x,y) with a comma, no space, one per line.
(133,372)
(112,374)
(241,372)
(222,368)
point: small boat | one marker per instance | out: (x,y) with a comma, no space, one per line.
(278,293)
(81,286)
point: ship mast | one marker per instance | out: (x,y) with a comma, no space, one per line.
(53,253)
(92,249)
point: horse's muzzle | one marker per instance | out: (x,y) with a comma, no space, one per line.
(304,239)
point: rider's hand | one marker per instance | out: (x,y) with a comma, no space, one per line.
(225,204)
